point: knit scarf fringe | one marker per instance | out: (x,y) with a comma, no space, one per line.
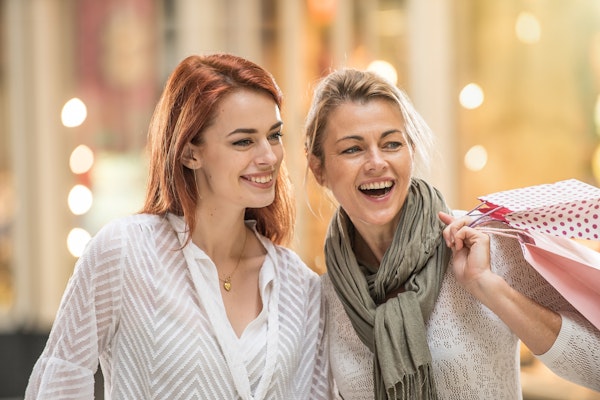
(417,386)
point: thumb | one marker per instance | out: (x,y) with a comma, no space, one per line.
(445,218)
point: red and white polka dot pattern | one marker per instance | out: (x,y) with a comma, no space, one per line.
(569,208)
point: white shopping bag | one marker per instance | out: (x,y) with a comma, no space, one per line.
(569,208)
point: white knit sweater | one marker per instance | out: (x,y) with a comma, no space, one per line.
(149,313)
(475,355)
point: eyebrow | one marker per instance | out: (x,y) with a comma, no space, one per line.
(360,138)
(253,130)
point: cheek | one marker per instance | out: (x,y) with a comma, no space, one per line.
(338,176)
(279,153)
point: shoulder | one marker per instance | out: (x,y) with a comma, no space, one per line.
(139,222)
(290,269)
(327,289)
(132,228)
(290,261)
(284,258)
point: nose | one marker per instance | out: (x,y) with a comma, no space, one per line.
(266,154)
(375,160)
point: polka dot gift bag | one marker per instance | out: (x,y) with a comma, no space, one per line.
(544,219)
(569,208)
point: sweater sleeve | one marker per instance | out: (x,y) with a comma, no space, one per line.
(84,323)
(575,355)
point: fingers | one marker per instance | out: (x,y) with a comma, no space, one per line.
(454,226)
(445,218)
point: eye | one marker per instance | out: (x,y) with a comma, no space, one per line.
(243,142)
(351,150)
(275,137)
(393,145)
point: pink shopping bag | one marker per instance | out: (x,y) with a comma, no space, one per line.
(570,267)
(569,208)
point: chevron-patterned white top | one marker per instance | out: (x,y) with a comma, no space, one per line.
(148,311)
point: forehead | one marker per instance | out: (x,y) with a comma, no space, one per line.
(373,116)
(246,106)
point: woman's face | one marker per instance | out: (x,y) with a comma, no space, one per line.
(368,161)
(241,152)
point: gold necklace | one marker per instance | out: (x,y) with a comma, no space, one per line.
(227,280)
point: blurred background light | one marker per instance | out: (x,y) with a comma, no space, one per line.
(528,28)
(471,96)
(385,70)
(322,10)
(81,160)
(476,158)
(80,199)
(77,239)
(74,112)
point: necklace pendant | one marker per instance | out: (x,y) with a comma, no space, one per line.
(227,284)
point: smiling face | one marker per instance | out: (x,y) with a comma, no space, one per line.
(241,152)
(367,162)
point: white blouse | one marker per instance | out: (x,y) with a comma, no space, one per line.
(151,314)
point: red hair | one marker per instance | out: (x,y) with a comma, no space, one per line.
(185,108)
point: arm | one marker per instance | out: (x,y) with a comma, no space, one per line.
(314,350)
(575,350)
(322,381)
(82,327)
(537,326)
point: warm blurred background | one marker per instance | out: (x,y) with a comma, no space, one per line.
(510,87)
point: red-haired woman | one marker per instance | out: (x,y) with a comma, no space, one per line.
(195,297)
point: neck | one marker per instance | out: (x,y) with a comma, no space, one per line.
(372,241)
(219,235)
(370,253)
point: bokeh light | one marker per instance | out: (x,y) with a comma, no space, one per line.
(476,158)
(80,199)
(81,160)
(77,239)
(528,28)
(385,70)
(74,112)
(471,96)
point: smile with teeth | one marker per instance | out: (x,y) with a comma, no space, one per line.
(376,189)
(260,179)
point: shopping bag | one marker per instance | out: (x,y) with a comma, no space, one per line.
(568,208)
(570,267)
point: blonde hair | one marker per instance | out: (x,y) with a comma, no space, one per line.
(352,85)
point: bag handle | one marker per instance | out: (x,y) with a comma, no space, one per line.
(507,232)
(481,218)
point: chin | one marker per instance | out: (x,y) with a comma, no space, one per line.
(262,203)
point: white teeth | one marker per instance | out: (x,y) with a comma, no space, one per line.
(376,185)
(261,179)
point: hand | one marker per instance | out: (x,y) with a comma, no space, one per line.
(536,325)
(470,254)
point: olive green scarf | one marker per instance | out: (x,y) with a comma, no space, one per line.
(395,330)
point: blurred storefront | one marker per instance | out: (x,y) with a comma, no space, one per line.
(510,87)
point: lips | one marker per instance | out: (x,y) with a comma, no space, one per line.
(260,179)
(377,189)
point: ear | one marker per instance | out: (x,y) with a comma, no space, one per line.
(316,167)
(191,157)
